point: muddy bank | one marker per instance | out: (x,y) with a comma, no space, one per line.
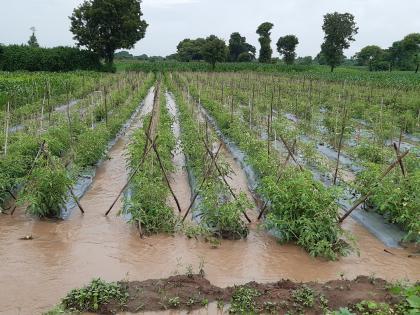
(191,292)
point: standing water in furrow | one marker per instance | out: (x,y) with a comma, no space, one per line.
(179,177)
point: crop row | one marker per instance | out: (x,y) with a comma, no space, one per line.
(72,143)
(367,149)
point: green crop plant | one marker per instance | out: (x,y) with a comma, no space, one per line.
(95,295)
(151,213)
(220,214)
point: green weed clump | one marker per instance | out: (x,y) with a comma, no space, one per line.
(94,296)
(243,300)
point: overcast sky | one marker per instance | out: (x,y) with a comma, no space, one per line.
(380,22)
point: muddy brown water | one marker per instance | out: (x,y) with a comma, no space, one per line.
(35,274)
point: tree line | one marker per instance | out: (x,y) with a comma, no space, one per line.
(105,26)
(339,29)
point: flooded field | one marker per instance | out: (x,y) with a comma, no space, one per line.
(62,255)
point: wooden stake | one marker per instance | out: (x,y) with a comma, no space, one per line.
(164,174)
(343,127)
(365,197)
(70,188)
(224,179)
(278,179)
(130,178)
(202,183)
(397,151)
(7,128)
(290,152)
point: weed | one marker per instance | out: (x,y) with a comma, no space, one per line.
(243,300)
(174,302)
(92,297)
(304,296)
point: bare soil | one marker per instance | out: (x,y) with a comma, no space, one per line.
(191,291)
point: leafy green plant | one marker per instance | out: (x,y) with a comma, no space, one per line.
(46,189)
(174,302)
(304,296)
(94,296)
(243,300)
(152,213)
(90,146)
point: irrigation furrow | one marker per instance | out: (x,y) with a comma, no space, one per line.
(179,177)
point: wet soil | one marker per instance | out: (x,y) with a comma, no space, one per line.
(192,291)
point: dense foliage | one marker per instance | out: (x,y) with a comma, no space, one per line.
(264,31)
(152,214)
(302,210)
(72,137)
(286,46)
(104,26)
(218,213)
(239,49)
(94,296)
(30,58)
(340,30)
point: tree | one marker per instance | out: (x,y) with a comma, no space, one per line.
(190,49)
(123,55)
(305,61)
(264,30)
(371,56)
(340,30)
(104,26)
(411,46)
(286,46)
(238,46)
(33,41)
(214,50)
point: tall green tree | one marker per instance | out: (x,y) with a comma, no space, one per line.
(190,49)
(33,41)
(340,29)
(264,30)
(214,50)
(411,46)
(371,56)
(104,26)
(239,47)
(286,46)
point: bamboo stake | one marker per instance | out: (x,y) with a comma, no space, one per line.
(365,197)
(164,174)
(7,128)
(223,178)
(278,179)
(70,188)
(290,152)
(343,127)
(130,178)
(202,183)
(397,151)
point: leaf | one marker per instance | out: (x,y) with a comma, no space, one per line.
(414,301)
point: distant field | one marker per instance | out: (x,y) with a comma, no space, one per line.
(345,73)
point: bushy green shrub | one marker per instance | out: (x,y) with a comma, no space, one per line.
(396,197)
(45,190)
(90,146)
(21,57)
(302,210)
(94,296)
